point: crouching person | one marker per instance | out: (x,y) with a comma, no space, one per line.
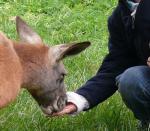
(125,67)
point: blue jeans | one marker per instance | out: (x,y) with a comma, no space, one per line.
(134,87)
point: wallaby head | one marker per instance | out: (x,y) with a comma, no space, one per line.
(43,69)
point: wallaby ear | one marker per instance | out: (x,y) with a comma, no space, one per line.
(4,39)
(64,50)
(26,34)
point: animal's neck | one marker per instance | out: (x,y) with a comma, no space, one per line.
(30,56)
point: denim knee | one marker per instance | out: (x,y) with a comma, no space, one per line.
(131,80)
(134,87)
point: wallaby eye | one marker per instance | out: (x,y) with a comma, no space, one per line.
(62,76)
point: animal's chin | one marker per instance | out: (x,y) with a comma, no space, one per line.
(49,110)
(57,106)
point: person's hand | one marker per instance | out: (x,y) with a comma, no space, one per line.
(148,61)
(69,109)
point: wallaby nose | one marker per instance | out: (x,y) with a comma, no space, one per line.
(62,101)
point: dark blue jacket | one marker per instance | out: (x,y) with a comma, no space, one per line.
(128,46)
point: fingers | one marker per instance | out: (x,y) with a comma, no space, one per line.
(69,109)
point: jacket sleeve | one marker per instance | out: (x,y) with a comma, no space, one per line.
(120,57)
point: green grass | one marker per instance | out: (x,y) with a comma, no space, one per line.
(63,21)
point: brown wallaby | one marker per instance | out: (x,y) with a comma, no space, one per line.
(37,67)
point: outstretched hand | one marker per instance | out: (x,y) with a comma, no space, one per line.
(69,109)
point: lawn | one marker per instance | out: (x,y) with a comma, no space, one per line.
(63,21)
